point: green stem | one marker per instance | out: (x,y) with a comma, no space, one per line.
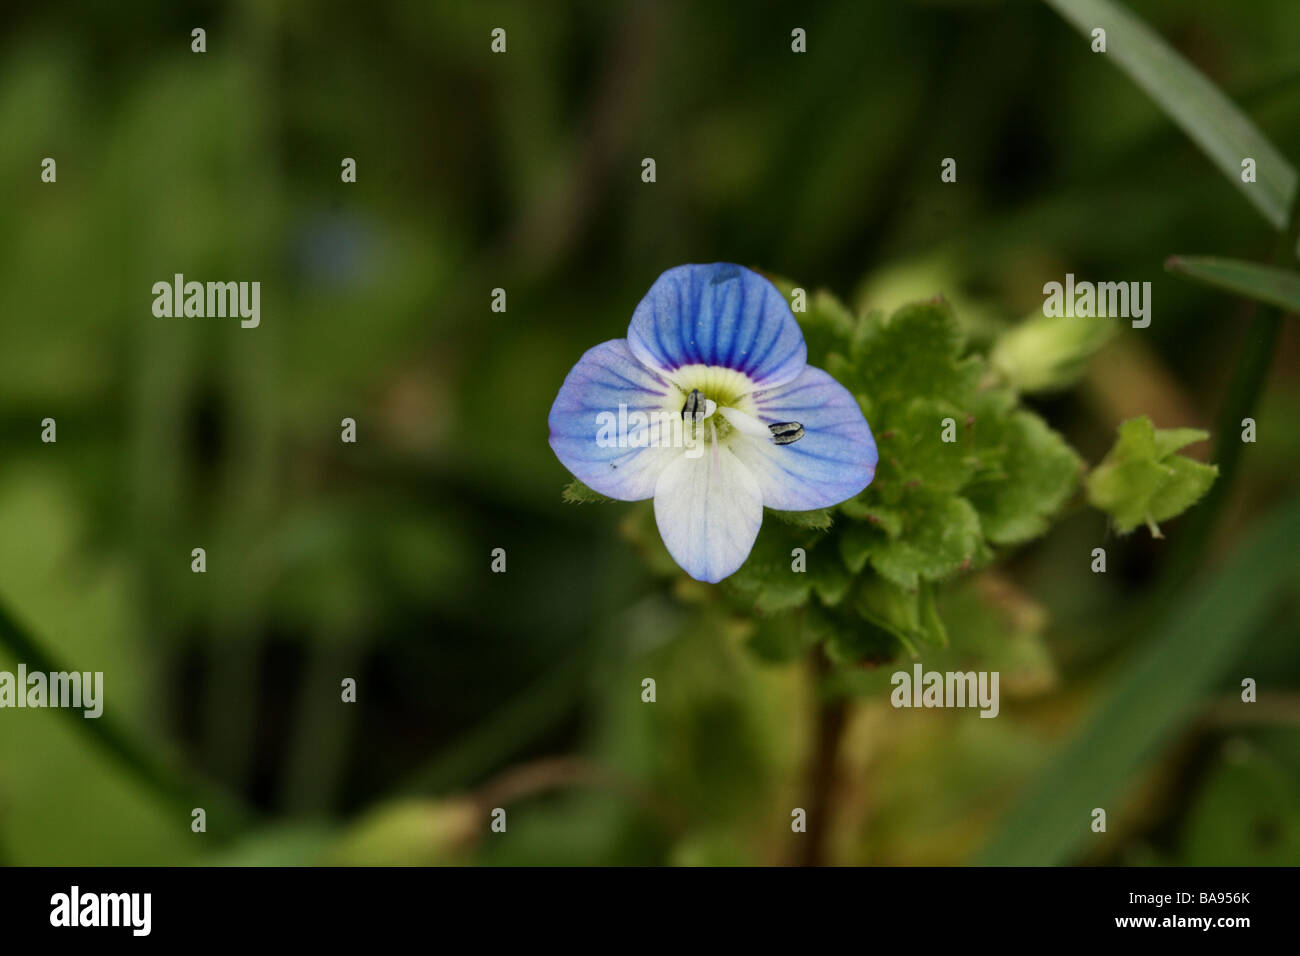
(830,719)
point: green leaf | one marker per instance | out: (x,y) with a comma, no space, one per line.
(1205,114)
(915,352)
(851,640)
(1154,698)
(1278,287)
(575,492)
(910,616)
(940,534)
(781,592)
(866,508)
(768,578)
(931,624)
(1185,486)
(855,546)
(1038,471)
(827,327)
(917,453)
(826,322)
(818,519)
(1142,481)
(910,376)
(1166,441)
(829,578)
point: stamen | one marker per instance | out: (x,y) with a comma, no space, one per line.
(694,405)
(786,433)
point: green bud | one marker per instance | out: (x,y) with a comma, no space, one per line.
(1044,352)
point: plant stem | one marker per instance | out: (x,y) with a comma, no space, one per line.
(829,722)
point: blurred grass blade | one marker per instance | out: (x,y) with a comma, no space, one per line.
(117,741)
(1278,287)
(1161,690)
(1211,119)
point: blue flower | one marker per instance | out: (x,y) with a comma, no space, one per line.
(709,407)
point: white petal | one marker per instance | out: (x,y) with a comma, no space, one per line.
(708,510)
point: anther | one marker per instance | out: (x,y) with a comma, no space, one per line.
(785,433)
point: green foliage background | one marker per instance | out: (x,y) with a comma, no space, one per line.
(523,690)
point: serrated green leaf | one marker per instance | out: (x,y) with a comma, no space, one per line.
(1169,440)
(1142,481)
(830,579)
(891,608)
(575,492)
(1279,287)
(781,594)
(772,590)
(1182,489)
(851,639)
(915,352)
(866,507)
(941,534)
(855,544)
(918,455)
(1037,472)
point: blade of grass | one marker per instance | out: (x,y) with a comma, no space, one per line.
(1248,380)
(1279,287)
(120,743)
(1152,700)
(1212,120)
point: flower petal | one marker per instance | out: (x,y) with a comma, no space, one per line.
(708,510)
(833,461)
(719,315)
(606,377)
